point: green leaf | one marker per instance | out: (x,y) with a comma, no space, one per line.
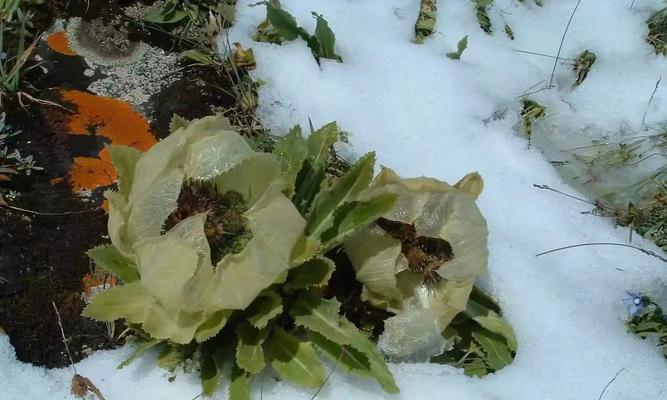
(284,23)
(304,250)
(326,39)
(177,122)
(127,301)
(379,369)
(355,216)
(646,326)
(212,365)
(249,351)
(344,190)
(475,367)
(167,14)
(198,56)
(309,182)
(124,159)
(281,26)
(320,141)
(461,46)
(291,150)
(213,324)
(317,317)
(266,307)
(494,323)
(109,258)
(320,315)
(349,359)
(210,375)
(240,387)
(140,349)
(425,25)
(171,356)
(295,361)
(267,33)
(497,353)
(490,320)
(315,272)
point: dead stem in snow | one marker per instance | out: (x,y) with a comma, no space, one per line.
(80,384)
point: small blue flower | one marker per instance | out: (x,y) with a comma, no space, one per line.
(634,303)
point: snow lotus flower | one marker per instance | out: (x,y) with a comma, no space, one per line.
(169,220)
(421,259)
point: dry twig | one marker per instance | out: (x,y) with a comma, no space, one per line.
(80,384)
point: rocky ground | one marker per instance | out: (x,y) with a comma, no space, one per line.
(98,77)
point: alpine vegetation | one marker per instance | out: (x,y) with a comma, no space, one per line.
(460,48)
(582,65)
(657,31)
(425,25)
(223,256)
(280,26)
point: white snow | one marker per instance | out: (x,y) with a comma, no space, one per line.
(422,113)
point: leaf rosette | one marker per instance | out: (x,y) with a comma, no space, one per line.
(173,288)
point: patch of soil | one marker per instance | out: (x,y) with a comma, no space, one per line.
(43,256)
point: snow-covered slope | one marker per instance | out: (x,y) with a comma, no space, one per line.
(422,113)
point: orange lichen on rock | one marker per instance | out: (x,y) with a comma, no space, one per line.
(91,173)
(58,42)
(109,118)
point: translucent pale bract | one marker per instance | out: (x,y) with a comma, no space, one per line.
(276,227)
(179,287)
(436,210)
(412,336)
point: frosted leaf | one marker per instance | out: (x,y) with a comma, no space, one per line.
(191,232)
